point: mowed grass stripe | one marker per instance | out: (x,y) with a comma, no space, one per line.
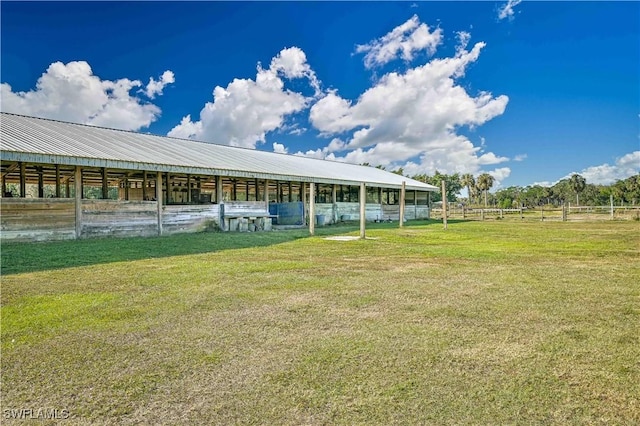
(485,323)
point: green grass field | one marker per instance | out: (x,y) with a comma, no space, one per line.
(484,323)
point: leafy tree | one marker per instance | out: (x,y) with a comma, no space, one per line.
(469,181)
(484,183)
(452,184)
(578,183)
(632,189)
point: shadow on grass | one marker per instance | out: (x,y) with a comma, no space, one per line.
(32,257)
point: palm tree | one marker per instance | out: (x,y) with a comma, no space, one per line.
(485,182)
(468,181)
(578,183)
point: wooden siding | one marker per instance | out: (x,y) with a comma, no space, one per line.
(118,218)
(190,218)
(24,219)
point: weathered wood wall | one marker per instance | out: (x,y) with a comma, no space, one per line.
(191,218)
(24,219)
(119,218)
(54,219)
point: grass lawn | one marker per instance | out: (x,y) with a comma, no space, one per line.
(485,323)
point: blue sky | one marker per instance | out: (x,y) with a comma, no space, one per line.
(529,92)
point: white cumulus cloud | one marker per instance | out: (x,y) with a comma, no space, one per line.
(412,119)
(71,92)
(506,11)
(246,110)
(606,174)
(404,40)
(280,148)
(156,87)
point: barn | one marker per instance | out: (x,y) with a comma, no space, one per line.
(65,181)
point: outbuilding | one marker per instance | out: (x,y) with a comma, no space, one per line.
(63,181)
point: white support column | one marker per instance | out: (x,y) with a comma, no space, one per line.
(363,209)
(159,200)
(403,192)
(77,182)
(612,209)
(444,204)
(266,194)
(312,208)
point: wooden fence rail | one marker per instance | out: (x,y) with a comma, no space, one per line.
(544,213)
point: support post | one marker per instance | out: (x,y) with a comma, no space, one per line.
(77,182)
(220,202)
(257,184)
(144,185)
(219,193)
(40,182)
(363,210)
(266,194)
(312,208)
(303,197)
(188,189)
(334,203)
(444,204)
(403,193)
(23,180)
(105,185)
(168,199)
(57,180)
(159,200)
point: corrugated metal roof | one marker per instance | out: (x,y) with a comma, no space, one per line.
(41,140)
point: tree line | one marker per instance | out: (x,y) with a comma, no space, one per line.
(574,190)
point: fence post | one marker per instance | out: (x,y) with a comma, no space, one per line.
(521,214)
(542,213)
(482,214)
(611,198)
(444,204)
(501,216)
(564,212)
